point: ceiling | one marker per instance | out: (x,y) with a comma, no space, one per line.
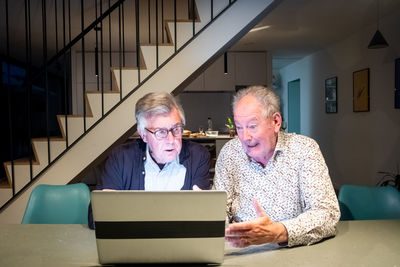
(297,28)
(301,27)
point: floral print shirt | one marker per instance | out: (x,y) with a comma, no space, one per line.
(294,188)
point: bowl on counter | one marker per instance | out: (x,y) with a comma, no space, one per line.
(212,133)
(186,133)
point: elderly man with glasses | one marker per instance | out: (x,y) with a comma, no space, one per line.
(160,160)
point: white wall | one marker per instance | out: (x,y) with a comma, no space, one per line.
(355,145)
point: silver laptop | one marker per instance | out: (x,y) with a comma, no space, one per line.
(159,227)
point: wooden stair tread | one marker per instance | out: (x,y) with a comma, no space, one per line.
(21,161)
(77,116)
(129,68)
(51,139)
(155,44)
(4,183)
(105,92)
(182,20)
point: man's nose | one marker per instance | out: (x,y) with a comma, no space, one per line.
(246,134)
(170,136)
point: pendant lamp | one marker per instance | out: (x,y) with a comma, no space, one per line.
(225,63)
(378,41)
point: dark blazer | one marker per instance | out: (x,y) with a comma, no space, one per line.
(124,168)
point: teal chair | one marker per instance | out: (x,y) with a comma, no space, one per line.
(369,203)
(58,204)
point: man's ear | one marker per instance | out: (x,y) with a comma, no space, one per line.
(277,121)
(142,135)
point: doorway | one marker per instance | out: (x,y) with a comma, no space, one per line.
(294,106)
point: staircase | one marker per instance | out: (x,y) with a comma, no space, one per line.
(65,162)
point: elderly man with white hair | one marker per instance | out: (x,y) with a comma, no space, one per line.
(278,184)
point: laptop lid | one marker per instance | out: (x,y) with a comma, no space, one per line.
(159,227)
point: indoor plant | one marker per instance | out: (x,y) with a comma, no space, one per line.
(390,179)
(231,127)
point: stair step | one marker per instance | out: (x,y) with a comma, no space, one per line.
(6,194)
(129,79)
(22,168)
(4,183)
(110,99)
(22,174)
(76,126)
(40,148)
(150,54)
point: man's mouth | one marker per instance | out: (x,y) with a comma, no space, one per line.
(252,145)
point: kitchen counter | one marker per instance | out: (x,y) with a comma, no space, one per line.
(201,137)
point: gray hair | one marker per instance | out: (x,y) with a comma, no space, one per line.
(266,97)
(154,104)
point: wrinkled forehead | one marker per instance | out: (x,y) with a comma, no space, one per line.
(248,109)
(164,120)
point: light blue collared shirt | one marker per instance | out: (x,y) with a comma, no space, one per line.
(171,177)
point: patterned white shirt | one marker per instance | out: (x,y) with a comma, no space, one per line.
(171,177)
(294,188)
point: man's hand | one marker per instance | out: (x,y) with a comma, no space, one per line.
(258,231)
(196,188)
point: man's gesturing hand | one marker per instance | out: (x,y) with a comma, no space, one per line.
(258,231)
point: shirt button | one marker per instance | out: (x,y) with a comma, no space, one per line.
(143,172)
(144,158)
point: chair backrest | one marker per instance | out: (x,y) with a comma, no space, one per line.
(369,203)
(58,204)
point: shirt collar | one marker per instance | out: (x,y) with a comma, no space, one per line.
(281,143)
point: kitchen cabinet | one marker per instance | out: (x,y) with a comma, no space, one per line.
(244,68)
(251,68)
(216,80)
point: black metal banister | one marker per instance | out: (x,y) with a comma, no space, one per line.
(109,40)
(137,38)
(82,34)
(175,34)
(56,24)
(28,89)
(149,20)
(162,20)
(83,68)
(120,52)
(65,80)
(156,34)
(61,62)
(101,61)
(9,101)
(123,34)
(46,85)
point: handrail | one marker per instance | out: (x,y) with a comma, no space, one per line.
(99,71)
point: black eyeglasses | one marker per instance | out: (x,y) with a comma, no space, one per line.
(162,133)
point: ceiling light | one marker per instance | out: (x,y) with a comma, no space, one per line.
(260,28)
(225,63)
(378,41)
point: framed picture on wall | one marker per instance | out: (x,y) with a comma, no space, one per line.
(361,90)
(397,73)
(397,83)
(331,95)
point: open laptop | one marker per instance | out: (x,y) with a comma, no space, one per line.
(159,227)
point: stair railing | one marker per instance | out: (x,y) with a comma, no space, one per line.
(49,81)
